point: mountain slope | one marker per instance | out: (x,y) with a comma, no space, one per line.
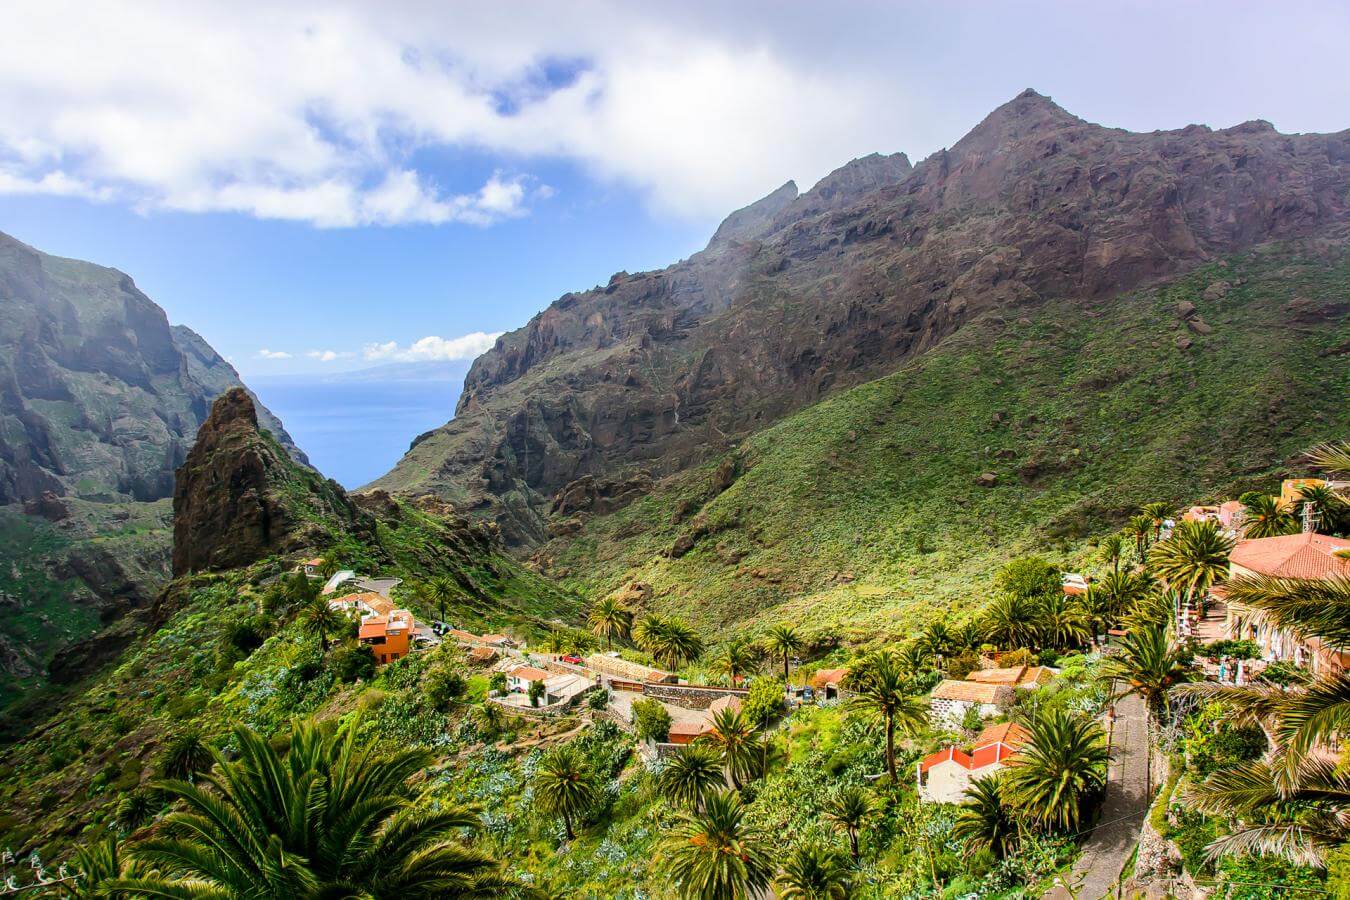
(99,397)
(805,296)
(860,516)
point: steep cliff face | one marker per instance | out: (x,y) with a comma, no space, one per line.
(238,497)
(99,397)
(799,296)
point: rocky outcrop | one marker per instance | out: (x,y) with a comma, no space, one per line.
(99,397)
(801,296)
(238,497)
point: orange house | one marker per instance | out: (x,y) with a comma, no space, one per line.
(387,636)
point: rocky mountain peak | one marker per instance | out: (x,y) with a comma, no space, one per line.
(748,222)
(238,497)
(1021,117)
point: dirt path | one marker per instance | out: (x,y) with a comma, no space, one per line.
(1111,842)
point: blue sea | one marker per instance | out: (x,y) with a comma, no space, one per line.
(354,430)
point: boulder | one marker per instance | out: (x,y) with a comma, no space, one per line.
(1199,326)
(1185,309)
(986,479)
(1216,291)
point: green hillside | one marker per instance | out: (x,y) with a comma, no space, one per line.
(862,514)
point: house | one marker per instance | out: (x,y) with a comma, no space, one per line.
(945,776)
(364,605)
(1074,584)
(496,640)
(828,683)
(730,701)
(311,567)
(951,700)
(613,666)
(518,679)
(388,636)
(686,732)
(1307,555)
(1020,677)
(1291,489)
(481,656)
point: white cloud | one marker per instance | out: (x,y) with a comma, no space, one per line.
(432,348)
(329,355)
(326,112)
(264,353)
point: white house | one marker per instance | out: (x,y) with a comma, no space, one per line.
(945,776)
(952,699)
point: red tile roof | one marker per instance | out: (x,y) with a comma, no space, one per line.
(377,602)
(973,692)
(1305,555)
(827,677)
(691,728)
(528,673)
(996,744)
(1007,733)
(946,754)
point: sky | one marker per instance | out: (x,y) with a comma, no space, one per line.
(330,186)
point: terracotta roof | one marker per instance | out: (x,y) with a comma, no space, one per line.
(1007,733)
(946,754)
(375,626)
(730,701)
(690,728)
(494,638)
(998,676)
(973,692)
(1304,555)
(827,677)
(462,635)
(316,561)
(988,754)
(528,673)
(482,654)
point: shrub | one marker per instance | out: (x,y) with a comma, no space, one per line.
(245,634)
(1243,649)
(535,692)
(442,685)
(765,701)
(962,664)
(1212,742)
(651,720)
(598,700)
(1265,878)
(1283,673)
(1028,577)
(353,662)
(1019,657)
(497,682)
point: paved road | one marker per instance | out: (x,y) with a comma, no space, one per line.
(1108,847)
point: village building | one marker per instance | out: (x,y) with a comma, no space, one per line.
(364,604)
(616,667)
(1306,555)
(687,731)
(311,567)
(1021,677)
(496,640)
(827,684)
(945,776)
(481,656)
(951,700)
(518,678)
(388,636)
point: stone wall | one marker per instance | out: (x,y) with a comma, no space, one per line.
(690,696)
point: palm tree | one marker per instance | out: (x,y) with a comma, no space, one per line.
(1192,559)
(1333,457)
(737,742)
(1157,513)
(185,756)
(1150,664)
(330,816)
(669,639)
(690,775)
(1329,508)
(1111,550)
(1060,622)
(882,687)
(300,589)
(321,620)
(1098,610)
(134,810)
(736,657)
(1010,621)
(814,871)
(564,785)
(1122,589)
(849,809)
(96,866)
(1063,762)
(716,855)
(609,618)
(1265,516)
(985,822)
(784,641)
(489,718)
(441,590)
(935,640)
(1140,528)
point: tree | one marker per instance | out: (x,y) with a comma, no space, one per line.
(784,642)
(764,703)
(564,785)
(814,871)
(535,692)
(97,866)
(489,718)
(1060,622)
(1157,513)
(1150,664)
(609,619)
(441,590)
(185,756)
(1111,550)
(1265,516)
(691,775)
(1063,762)
(881,687)
(737,742)
(651,720)
(1329,508)
(1192,559)
(1028,577)
(1333,457)
(670,640)
(985,822)
(300,589)
(736,658)
(134,810)
(1140,528)
(1010,621)
(716,855)
(330,816)
(320,619)
(849,809)
(936,641)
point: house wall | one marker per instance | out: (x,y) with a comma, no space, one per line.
(946,782)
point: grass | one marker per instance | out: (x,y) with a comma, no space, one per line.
(860,517)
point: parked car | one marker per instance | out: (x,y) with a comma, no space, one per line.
(571,658)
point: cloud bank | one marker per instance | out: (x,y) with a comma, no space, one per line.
(432,348)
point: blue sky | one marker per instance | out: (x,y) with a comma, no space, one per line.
(347,179)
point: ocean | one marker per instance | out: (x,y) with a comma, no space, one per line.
(355,429)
